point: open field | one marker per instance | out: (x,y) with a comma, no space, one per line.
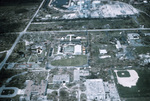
(11,99)
(76,61)
(123,74)
(2,56)
(78,24)
(5,74)
(142,50)
(7,40)
(15,14)
(143,19)
(35,76)
(143,7)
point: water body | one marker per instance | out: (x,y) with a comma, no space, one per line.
(60,3)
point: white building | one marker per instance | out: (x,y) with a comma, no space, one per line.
(118,45)
(133,36)
(70,49)
(102,51)
(70,37)
(76,75)
(77,49)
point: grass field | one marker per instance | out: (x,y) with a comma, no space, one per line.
(142,88)
(88,23)
(77,61)
(123,74)
(144,20)
(142,50)
(15,14)
(2,56)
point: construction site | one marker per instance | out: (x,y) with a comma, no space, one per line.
(94,9)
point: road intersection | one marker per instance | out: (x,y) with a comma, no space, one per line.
(18,38)
(9,52)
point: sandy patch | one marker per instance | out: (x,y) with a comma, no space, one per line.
(128,81)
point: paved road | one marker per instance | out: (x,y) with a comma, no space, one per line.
(90,30)
(9,79)
(9,95)
(3,51)
(46,23)
(9,52)
(18,38)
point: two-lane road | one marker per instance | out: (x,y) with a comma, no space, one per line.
(89,30)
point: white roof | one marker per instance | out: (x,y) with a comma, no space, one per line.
(95,14)
(76,75)
(105,56)
(96,2)
(70,35)
(118,45)
(102,51)
(133,36)
(77,49)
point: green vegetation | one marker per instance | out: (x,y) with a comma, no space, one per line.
(5,74)
(15,14)
(23,10)
(142,88)
(70,85)
(55,50)
(7,91)
(123,74)
(142,50)
(89,23)
(146,40)
(2,56)
(78,60)
(82,87)
(53,86)
(64,95)
(16,98)
(7,40)
(83,97)
(52,96)
(19,81)
(33,58)
(139,99)
(144,20)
